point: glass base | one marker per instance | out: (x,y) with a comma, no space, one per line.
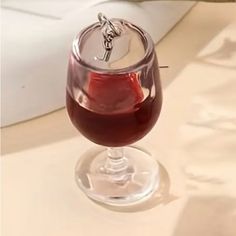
(123,181)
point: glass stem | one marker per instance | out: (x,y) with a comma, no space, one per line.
(117,164)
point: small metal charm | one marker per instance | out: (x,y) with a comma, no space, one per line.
(109,31)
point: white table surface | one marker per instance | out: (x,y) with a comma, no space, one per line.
(195,140)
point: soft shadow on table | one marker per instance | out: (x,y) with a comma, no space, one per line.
(51,128)
(56,127)
(225,52)
(207,216)
(161,197)
(186,47)
(210,166)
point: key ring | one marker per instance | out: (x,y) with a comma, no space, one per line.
(104,20)
(109,31)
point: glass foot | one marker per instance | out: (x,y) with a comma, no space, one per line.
(117,176)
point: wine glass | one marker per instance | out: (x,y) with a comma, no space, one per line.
(114,98)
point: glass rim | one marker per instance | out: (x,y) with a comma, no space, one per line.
(146,40)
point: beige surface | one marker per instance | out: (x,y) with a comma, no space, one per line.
(195,139)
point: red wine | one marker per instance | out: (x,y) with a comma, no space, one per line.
(116,113)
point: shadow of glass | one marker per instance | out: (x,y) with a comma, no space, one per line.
(161,196)
(211,216)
